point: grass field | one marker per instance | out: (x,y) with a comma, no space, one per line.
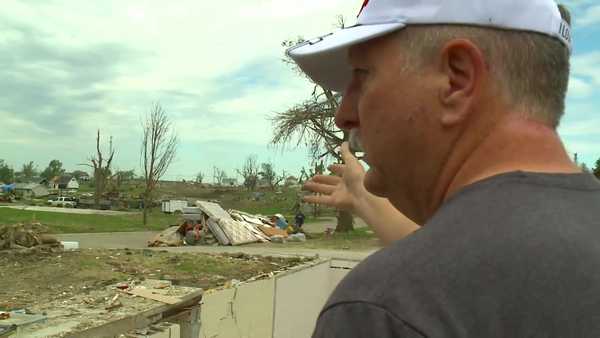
(268,202)
(356,240)
(75,223)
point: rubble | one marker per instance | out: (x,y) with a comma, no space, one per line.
(297,237)
(169,237)
(278,239)
(207,223)
(27,237)
(77,290)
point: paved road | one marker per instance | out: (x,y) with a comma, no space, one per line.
(68,210)
(110,240)
(138,240)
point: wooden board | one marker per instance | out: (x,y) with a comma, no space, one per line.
(150,294)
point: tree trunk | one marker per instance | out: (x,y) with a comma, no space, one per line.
(345,221)
(98,189)
(146,201)
(145,213)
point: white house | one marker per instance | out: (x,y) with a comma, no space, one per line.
(68,183)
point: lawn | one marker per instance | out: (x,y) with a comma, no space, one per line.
(75,223)
(357,240)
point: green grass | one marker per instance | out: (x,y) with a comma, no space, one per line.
(75,223)
(357,240)
(229,198)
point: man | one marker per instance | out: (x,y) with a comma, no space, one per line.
(299,219)
(456,104)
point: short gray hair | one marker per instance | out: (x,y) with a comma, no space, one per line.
(531,68)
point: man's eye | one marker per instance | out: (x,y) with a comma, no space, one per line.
(360,71)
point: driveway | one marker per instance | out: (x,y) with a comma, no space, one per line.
(68,210)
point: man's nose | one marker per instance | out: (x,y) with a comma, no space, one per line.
(346,116)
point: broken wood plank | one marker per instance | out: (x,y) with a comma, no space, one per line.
(151,294)
(141,320)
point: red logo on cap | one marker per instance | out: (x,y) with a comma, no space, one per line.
(363,7)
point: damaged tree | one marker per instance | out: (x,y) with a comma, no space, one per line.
(219,175)
(159,146)
(101,166)
(250,172)
(269,175)
(312,123)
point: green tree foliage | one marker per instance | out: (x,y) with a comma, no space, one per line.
(54,169)
(199,177)
(596,170)
(78,174)
(7,174)
(268,174)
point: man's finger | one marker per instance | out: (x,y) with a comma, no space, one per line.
(347,156)
(319,188)
(325,179)
(338,169)
(322,199)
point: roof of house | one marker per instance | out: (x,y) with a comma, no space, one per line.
(65,179)
(26,186)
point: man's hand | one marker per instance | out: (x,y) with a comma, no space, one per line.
(346,191)
(342,191)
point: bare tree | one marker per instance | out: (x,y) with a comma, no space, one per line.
(250,172)
(219,175)
(101,166)
(158,149)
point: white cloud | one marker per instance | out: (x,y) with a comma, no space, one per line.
(588,127)
(179,53)
(590,16)
(579,88)
(587,65)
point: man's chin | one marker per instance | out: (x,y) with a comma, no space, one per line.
(375,184)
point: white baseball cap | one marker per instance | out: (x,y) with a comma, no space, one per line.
(324,59)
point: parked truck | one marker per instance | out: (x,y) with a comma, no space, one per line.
(67,202)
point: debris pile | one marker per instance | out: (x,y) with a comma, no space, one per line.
(26,237)
(208,223)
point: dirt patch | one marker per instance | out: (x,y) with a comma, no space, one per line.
(30,280)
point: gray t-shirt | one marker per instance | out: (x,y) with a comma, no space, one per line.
(515,255)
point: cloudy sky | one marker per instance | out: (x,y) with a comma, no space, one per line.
(68,68)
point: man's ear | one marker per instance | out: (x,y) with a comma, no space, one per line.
(463,66)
